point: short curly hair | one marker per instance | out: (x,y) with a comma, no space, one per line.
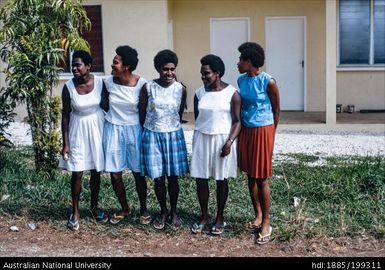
(215,63)
(254,52)
(129,56)
(164,57)
(84,55)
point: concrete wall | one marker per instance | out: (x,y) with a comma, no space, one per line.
(364,89)
(140,24)
(191,19)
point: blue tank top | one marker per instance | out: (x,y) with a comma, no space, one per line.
(256,110)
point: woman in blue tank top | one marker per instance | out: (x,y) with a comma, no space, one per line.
(259,117)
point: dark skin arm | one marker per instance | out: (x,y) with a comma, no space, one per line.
(105,102)
(182,103)
(143,100)
(196,111)
(236,123)
(66,101)
(273,92)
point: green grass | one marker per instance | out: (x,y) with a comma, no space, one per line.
(339,196)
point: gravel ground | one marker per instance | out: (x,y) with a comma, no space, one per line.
(313,141)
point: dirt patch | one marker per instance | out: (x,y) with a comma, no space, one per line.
(53,240)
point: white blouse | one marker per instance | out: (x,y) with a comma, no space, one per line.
(124,102)
(214,110)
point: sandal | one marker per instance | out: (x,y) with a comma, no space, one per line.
(72,224)
(264,239)
(159,223)
(145,219)
(115,219)
(253,226)
(176,223)
(100,216)
(198,227)
(219,229)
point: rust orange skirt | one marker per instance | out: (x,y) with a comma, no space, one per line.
(255,151)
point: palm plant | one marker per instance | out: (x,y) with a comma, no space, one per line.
(34,41)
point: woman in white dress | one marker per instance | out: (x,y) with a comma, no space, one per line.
(122,133)
(82,130)
(217,108)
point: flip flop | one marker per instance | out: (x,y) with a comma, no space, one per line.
(100,217)
(219,229)
(115,219)
(72,224)
(264,239)
(159,223)
(197,227)
(145,219)
(252,225)
(176,223)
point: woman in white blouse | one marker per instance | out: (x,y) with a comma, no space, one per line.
(122,131)
(217,108)
(164,152)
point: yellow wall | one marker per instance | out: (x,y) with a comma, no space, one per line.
(364,89)
(140,24)
(191,20)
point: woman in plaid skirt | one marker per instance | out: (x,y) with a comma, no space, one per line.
(164,151)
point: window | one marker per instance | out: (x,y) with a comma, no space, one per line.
(361,32)
(94,38)
(379,32)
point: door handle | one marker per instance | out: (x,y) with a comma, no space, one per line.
(303,63)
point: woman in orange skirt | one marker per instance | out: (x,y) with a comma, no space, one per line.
(259,117)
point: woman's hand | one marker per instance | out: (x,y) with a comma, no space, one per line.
(226,149)
(65,152)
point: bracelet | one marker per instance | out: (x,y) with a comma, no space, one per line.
(231,140)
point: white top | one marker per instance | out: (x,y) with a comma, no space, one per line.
(214,110)
(163,107)
(85,104)
(124,102)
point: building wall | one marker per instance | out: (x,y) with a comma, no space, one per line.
(140,24)
(191,20)
(364,89)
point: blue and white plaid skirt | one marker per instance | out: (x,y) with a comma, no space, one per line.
(163,154)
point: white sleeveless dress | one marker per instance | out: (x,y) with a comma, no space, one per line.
(85,130)
(212,130)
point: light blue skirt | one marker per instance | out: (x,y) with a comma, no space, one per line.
(164,154)
(122,146)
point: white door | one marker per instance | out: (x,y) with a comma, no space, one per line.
(226,34)
(285,59)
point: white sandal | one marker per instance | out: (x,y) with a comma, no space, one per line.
(264,239)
